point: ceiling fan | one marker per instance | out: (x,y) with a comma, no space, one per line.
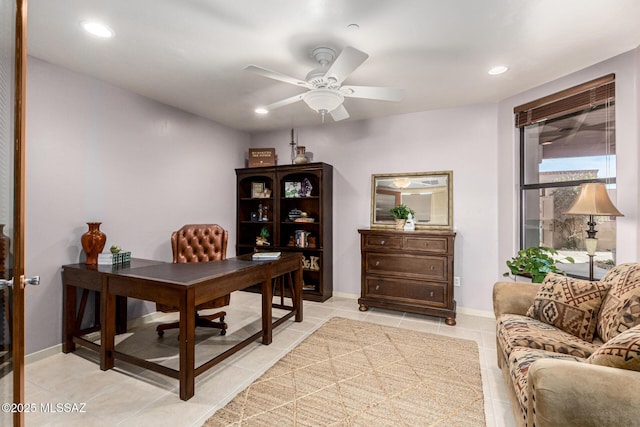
(326,92)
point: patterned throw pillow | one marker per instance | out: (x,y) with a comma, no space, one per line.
(571,305)
(622,351)
(621,307)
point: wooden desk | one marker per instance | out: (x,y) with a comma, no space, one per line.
(181,285)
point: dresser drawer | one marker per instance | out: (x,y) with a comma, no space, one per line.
(408,291)
(374,241)
(418,266)
(426,244)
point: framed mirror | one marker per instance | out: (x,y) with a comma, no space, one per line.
(428,194)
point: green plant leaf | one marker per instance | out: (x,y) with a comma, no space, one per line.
(536,262)
(401,212)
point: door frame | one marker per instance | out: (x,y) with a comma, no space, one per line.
(18,318)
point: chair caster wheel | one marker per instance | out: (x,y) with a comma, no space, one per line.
(223,332)
(160,334)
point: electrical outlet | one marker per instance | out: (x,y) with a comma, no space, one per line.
(456,281)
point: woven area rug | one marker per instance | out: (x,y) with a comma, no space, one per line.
(353,373)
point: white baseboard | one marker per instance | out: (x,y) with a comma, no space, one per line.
(475,312)
(43,354)
(346,295)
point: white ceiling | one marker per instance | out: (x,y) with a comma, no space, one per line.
(191,53)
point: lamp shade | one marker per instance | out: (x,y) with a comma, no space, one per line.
(593,200)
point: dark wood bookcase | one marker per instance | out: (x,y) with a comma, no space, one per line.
(277,198)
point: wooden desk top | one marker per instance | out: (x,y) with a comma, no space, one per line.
(187,274)
(104,268)
(190,273)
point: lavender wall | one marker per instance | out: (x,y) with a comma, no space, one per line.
(98,153)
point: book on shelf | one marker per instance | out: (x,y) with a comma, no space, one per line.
(304,219)
(265,255)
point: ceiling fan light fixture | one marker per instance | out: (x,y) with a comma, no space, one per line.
(323,100)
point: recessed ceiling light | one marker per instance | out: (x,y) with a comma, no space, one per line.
(261,110)
(499,69)
(353,27)
(97,29)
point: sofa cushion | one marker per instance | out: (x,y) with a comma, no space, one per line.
(621,307)
(514,331)
(520,360)
(569,304)
(621,351)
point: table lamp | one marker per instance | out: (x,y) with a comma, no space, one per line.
(593,200)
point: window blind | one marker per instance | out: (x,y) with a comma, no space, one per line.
(590,94)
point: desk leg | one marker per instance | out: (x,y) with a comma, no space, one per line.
(107,326)
(121,315)
(298,290)
(187,345)
(69,303)
(267,315)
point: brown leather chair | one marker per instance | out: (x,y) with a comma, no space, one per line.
(199,243)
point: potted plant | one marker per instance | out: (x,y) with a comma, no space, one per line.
(535,262)
(261,240)
(400,214)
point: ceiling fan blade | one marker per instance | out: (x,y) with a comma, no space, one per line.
(349,59)
(276,76)
(373,92)
(282,103)
(339,113)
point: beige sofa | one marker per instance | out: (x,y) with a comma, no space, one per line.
(569,349)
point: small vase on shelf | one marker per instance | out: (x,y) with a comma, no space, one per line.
(93,242)
(301,157)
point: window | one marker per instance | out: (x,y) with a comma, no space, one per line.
(567,139)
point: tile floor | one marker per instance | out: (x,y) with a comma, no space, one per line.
(131,396)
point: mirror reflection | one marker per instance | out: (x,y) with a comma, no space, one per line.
(428,194)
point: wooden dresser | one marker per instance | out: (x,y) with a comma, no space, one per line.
(409,271)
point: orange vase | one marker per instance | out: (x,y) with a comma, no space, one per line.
(93,242)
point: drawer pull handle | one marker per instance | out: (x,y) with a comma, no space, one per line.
(431,293)
(382,242)
(432,268)
(377,287)
(377,263)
